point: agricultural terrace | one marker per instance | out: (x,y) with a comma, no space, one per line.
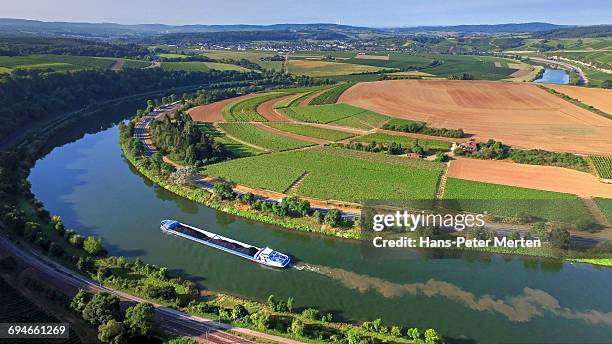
(249,133)
(310,131)
(197,66)
(62,63)
(510,201)
(246,110)
(336,114)
(334,174)
(316,68)
(405,141)
(605,204)
(518,114)
(603,165)
(331,96)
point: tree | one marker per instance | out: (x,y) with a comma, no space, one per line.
(560,238)
(102,308)
(352,336)
(396,331)
(261,319)
(311,313)
(223,191)
(290,304)
(239,312)
(93,246)
(539,231)
(79,301)
(76,240)
(112,332)
(414,333)
(585,224)
(139,319)
(431,336)
(183,175)
(333,218)
(297,327)
(57,224)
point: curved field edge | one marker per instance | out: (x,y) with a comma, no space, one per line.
(335,174)
(258,137)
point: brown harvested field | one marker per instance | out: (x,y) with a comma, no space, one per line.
(212,112)
(550,178)
(518,114)
(372,57)
(597,97)
(290,135)
(267,110)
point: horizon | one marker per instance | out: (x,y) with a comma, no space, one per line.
(379,14)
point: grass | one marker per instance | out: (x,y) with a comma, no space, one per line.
(335,173)
(510,201)
(331,96)
(322,113)
(58,63)
(316,132)
(605,204)
(316,68)
(250,133)
(196,66)
(246,110)
(237,149)
(406,141)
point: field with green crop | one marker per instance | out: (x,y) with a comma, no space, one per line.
(335,173)
(310,131)
(246,110)
(605,204)
(364,120)
(599,57)
(291,101)
(316,68)
(567,43)
(322,113)
(331,96)
(196,66)
(510,201)
(250,133)
(58,63)
(237,149)
(603,164)
(251,55)
(405,141)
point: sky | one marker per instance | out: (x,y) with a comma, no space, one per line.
(378,13)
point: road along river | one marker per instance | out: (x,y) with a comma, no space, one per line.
(489,298)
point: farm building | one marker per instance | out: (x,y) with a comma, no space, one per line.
(413,155)
(469,147)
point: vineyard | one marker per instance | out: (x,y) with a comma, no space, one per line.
(16,308)
(603,165)
(310,131)
(246,110)
(605,204)
(249,133)
(322,113)
(331,96)
(364,120)
(405,141)
(335,173)
(510,201)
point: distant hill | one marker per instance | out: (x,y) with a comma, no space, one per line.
(242,36)
(575,32)
(489,29)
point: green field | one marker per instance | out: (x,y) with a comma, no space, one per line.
(251,55)
(196,66)
(364,120)
(237,149)
(316,68)
(405,141)
(60,63)
(603,165)
(249,133)
(567,43)
(246,110)
(335,173)
(510,201)
(331,96)
(322,113)
(310,131)
(598,57)
(605,204)
(291,101)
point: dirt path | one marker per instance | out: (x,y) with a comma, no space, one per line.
(267,110)
(213,112)
(307,100)
(290,135)
(594,209)
(549,178)
(519,114)
(118,65)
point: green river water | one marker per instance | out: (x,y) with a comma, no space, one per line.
(485,298)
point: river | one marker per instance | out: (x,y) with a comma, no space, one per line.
(554,76)
(487,298)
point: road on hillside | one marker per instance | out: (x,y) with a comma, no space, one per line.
(204,330)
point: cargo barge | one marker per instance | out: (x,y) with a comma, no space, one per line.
(265,256)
